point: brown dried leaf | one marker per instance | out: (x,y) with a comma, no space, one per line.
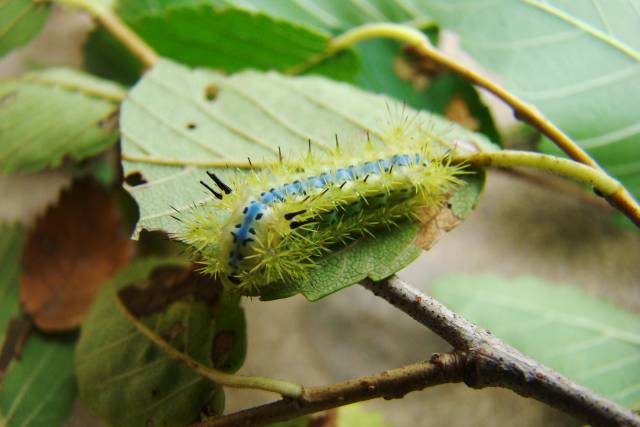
(435,222)
(166,285)
(74,249)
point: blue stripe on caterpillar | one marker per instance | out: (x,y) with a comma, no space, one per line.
(245,230)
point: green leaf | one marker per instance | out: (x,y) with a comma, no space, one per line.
(105,57)
(592,342)
(127,380)
(464,201)
(336,16)
(11,240)
(20,21)
(377,258)
(575,61)
(296,422)
(197,33)
(345,416)
(38,388)
(377,73)
(446,87)
(53,114)
(355,416)
(171,130)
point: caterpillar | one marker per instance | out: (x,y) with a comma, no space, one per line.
(270,226)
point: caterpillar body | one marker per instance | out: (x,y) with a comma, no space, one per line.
(273,225)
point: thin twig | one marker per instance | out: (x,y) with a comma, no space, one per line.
(621,199)
(112,23)
(393,384)
(492,363)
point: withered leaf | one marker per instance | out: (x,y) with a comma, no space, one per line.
(435,223)
(74,249)
(166,285)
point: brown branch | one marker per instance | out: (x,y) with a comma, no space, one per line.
(393,384)
(480,360)
(492,363)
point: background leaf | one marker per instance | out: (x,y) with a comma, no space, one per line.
(129,381)
(74,249)
(20,21)
(170,126)
(199,33)
(38,388)
(302,21)
(335,16)
(52,114)
(378,71)
(105,57)
(355,416)
(592,342)
(11,240)
(387,67)
(575,61)
(345,416)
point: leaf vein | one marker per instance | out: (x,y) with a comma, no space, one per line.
(177,130)
(218,119)
(589,29)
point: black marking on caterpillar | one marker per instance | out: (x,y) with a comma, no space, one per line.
(221,185)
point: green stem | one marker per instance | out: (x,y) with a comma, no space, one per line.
(112,23)
(565,167)
(621,199)
(284,388)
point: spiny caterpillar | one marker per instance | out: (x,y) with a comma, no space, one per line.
(271,226)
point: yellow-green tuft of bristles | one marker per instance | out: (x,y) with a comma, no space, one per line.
(333,216)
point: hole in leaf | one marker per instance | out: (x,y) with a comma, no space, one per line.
(191,126)
(211,92)
(135,178)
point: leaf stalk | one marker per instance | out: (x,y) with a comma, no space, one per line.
(112,23)
(602,182)
(284,388)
